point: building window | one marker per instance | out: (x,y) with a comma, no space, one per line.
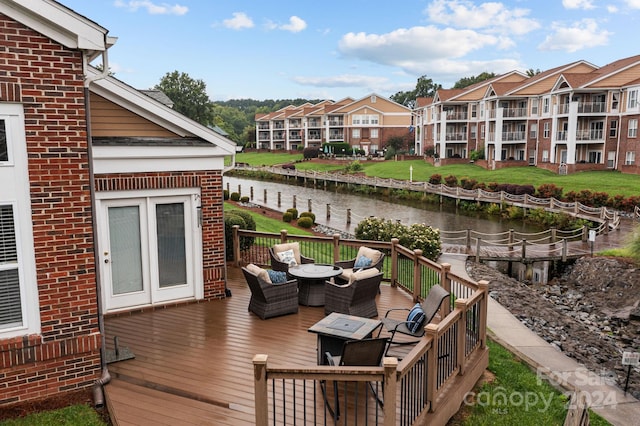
(633,128)
(11,306)
(4,147)
(534,106)
(365,119)
(632,102)
(533,131)
(546,131)
(630,158)
(545,105)
(474,112)
(613,128)
(374,134)
(355,133)
(545,156)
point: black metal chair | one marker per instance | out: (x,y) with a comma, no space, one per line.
(430,306)
(355,353)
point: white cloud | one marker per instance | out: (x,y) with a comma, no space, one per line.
(580,35)
(152,8)
(578,4)
(345,80)
(295,25)
(633,4)
(407,48)
(239,21)
(491,16)
(612,8)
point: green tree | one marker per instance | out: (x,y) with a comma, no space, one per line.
(189,96)
(425,87)
(531,72)
(468,81)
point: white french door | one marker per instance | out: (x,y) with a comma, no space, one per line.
(149,250)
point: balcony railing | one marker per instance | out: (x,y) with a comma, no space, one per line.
(456,137)
(453,115)
(514,136)
(263,126)
(423,387)
(514,112)
(336,123)
(561,136)
(592,107)
(590,135)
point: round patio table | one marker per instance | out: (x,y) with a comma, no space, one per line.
(311,278)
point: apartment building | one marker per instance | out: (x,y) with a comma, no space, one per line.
(574,117)
(366,124)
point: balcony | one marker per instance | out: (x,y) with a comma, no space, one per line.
(456,137)
(592,107)
(514,112)
(590,135)
(336,123)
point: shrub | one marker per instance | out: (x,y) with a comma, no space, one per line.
(416,236)
(435,179)
(476,155)
(310,152)
(451,181)
(235,196)
(225,194)
(231,219)
(248,219)
(468,183)
(244,199)
(549,190)
(494,209)
(354,167)
(294,213)
(305,222)
(309,214)
(422,237)
(287,217)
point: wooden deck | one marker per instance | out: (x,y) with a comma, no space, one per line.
(193,363)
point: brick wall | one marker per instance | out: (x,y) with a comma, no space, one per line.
(47,79)
(210,184)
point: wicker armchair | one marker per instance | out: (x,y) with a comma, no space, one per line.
(279,265)
(267,299)
(357,297)
(348,266)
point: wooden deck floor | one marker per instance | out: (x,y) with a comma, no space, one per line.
(193,363)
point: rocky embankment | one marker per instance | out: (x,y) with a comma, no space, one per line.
(591,313)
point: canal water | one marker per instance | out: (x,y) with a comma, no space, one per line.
(443,217)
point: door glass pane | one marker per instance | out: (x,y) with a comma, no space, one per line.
(126,256)
(172,264)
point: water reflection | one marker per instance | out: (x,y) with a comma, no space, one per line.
(443,217)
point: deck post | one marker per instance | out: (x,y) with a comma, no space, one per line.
(336,247)
(524,250)
(431,331)
(236,244)
(309,204)
(564,249)
(328,211)
(461,335)
(265,196)
(417,275)
(260,389)
(468,240)
(294,201)
(478,249)
(394,262)
(348,216)
(445,270)
(553,234)
(251,193)
(483,286)
(390,387)
(240,190)
(279,198)
(283,235)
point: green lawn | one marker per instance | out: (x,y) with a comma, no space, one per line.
(75,415)
(265,224)
(611,182)
(515,395)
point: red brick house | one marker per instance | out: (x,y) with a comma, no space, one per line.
(109,201)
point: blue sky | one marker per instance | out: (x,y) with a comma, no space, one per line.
(329,49)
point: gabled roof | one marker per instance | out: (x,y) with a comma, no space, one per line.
(60,24)
(422,101)
(156,112)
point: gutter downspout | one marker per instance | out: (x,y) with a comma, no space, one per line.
(97,391)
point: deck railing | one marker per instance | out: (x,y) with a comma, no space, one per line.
(427,385)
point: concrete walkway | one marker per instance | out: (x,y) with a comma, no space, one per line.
(608,400)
